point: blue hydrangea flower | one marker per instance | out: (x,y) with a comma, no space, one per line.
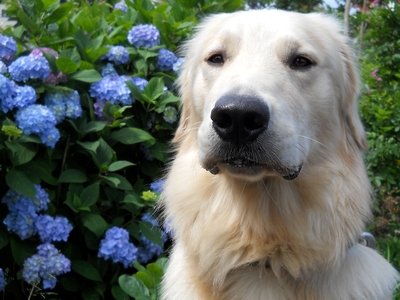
(38,119)
(2,280)
(166,60)
(52,229)
(29,67)
(121,5)
(45,265)
(144,36)
(117,55)
(3,68)
(108,69)
(149,249)
(170,114)
(113,89)
(23,211)
(8,46)
(21,222)
(64,104)
(177,67)
(24,96)
(98,110)
(7,93)
(17,202)
(116,246)
(139,82)
(157,186)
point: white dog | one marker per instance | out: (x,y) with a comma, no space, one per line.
(268,193)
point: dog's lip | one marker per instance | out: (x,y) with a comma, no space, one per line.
(289,173)
(242,165)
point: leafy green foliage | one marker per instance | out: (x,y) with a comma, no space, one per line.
(98,173)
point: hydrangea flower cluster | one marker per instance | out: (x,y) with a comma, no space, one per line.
(166,60)
(8,46)
(108,69)
(52,229)
(121,5)
(139,82)
(51,78)
(29,67)
(113,89)
(117,55)
(144,35)
(116,246)
(45,265)
(149,249)
(64,104)
(3,68)
(177,67)
(14,96)
(157,186)
(2,280)
(23,211)
(170,114)
(38,119)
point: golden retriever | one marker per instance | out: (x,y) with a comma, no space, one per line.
(268,193)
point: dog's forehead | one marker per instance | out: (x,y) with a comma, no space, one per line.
(264,28)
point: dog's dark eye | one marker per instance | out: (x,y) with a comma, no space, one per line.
(217,59)
(301,62)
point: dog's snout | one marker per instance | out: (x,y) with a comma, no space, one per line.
(240,119)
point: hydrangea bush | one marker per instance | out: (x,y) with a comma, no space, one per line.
(87,110)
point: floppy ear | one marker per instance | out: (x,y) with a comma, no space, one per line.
(354,129)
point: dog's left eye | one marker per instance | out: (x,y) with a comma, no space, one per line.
(301,62)
(217,59)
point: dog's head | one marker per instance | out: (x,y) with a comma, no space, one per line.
(266,92)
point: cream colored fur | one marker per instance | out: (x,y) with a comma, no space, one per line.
(262,237)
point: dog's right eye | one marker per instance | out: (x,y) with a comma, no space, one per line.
(216,59)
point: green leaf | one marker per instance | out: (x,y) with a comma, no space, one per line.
(131,136)
(42,168)
(72,54)
(118,165)
(119,293)
(133,286)
(86,270)
(154,89)
(95,223)
(72,175)
(145,278)
(86,76)
(136,92)
(62,11)
(118,181)
(151,233)
(19,182)
(147,54)
(90,146)
(29,24)
(69,283)
(104,153)
(93,126)
(167,100)
(4,237)
(90,194)
(52,61)
(66,65)
(21,152)
(21,250)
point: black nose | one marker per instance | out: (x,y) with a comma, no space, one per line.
(240,119)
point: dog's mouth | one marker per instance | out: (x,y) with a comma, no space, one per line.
(244,166)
